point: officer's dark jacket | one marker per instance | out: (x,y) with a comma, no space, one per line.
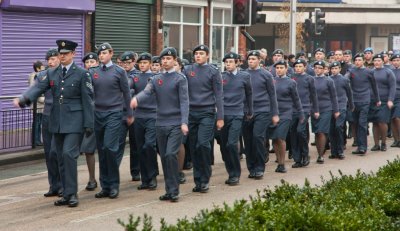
(73,108)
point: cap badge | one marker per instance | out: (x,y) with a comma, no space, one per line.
(63,44)
(169,52)
(90,56)
(103,47)
(231,55)
(202,47)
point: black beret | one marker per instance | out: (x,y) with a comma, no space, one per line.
(90,55)
(65,46)
(358,55)
(330,54)
(395,56)
(335,64)
(300,61)
(347,52)
(230,55)
(169,51)
(144,56)
(384,53)
(280,62)
(128,55)
(104,46)
(201,48)
(253,53)
(319,50)
(156,59)
(277,51)
(299,54)
(51,52)
(319,63)
(378,56)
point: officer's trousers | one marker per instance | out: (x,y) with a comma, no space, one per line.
(133,153)
(337,133)
(299,137)
(201,132)
(169,139)
(229,144)
(360,115)
(107,131)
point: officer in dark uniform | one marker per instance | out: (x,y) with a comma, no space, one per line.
(71,114)
(111,96)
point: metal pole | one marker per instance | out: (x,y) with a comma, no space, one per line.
(292,34)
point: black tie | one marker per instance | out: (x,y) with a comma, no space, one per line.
(64,71)
(104,67)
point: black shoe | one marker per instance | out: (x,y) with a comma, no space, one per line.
(341,156)
(153,184)
(73,201)
(359,152)
(297,165)
(281,168)
(51,194)
(306,161)
(331,156)
(354,144)
(165,197)
(375,148)
(272,151)
(232,181)
(188,165)
(383,147)
(196,188)
(39,144)
(395,144)
(266,159)
(113,194)
(313,144)
(290,156)
(102,194)
(61,202)
(136,177)
(204,187)
(320,160)
(252,175)
(181,178)
(60,193)
(259,175)
(91,186)
(174,198)
(143,187)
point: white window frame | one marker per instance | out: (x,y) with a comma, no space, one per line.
(181,23)
(224,7)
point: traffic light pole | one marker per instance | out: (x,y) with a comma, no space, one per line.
(249,38)
(292,34)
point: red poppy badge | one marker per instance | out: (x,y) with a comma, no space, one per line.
(160,82)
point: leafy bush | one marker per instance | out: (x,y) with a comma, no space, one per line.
(360,202)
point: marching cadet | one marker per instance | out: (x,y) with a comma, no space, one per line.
(368,55)
(287,96)
(347,56)
(71,114)
(156,65)
(171,92)
(386,83)
(265,110)
(128,59)
(328,106)
(362,84)
(205,96)
(319,54)
(111,93)
(299,134)
(395,59)
(386,60)
(145,126)
(88,145)
(278,55)
(237,89)
(331,57)
(53,171)
(344,97)
(344,66)
(309,67)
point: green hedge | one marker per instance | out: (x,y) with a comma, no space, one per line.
(360,202)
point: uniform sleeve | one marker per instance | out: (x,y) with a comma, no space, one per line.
(349,94)
(36,90)
(126,93)
(249,95)
(296,99)
(333,95)
(272,95)
(184,100)
(219,94)
(392,85)
(147,92)
(313,94)
(374,86)
(87,100)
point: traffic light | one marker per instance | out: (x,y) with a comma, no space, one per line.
(319,21)
(255,8)
(241,10)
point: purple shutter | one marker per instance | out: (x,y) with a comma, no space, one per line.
(25,38)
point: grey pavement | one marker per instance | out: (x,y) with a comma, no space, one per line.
(23,207)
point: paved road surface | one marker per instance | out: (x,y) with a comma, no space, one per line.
(23,207)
